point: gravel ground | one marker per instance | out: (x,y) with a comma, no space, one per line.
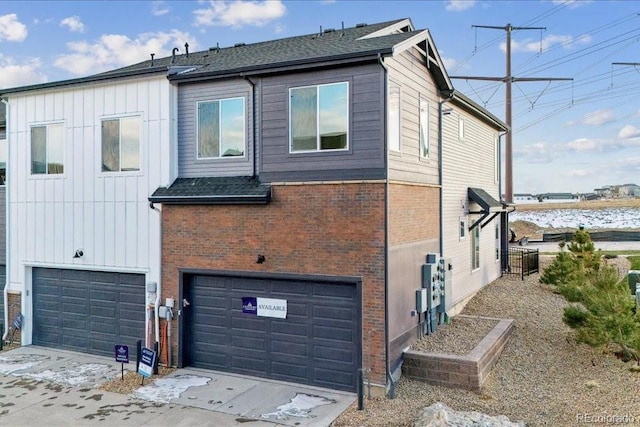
(543,378)
(460,336)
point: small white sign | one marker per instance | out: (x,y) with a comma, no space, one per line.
(270,307)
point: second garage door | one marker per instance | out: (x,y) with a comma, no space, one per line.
(317,343)
(87,311)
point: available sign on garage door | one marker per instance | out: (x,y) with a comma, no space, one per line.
(265,307)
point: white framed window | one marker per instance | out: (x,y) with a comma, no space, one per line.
(319,118)
(221,128)
(463,228)
(424,128)
(496,155)
(475,248)
(121,144)
(393,118)
(47,149)
(3,162)
(497,236)
(461,128)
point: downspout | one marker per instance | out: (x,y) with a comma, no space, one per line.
(392,386)
(449,96)
(253,128)
(504,223)
(5,294)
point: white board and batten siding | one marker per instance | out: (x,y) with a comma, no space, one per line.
(107,215)
(468,162)
(409,72)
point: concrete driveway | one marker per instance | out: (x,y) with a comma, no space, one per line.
(40,385)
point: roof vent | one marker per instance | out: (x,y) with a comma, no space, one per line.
(329,30)
(215,49)
(239,44)
(360,25)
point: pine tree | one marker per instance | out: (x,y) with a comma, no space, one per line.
(603,310)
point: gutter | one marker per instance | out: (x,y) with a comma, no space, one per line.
(255,70)
(254,127)
(90,79)
(7,229)
(237,199)
(391,384)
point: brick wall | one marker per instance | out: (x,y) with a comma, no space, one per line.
(13,308)
(414,212)
(325,229)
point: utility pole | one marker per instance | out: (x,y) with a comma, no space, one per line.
(508,79)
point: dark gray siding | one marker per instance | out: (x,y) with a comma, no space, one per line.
(3,225)
(3,132)
(189,166)
(365,157)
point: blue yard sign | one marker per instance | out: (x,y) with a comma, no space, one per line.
(147,361)
(122,353)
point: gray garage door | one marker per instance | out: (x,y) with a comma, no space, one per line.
(87,311)
(317,343)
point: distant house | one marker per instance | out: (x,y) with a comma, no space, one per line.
(521,198)
(558,198)
(604,192)
(627,190)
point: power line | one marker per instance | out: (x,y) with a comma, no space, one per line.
(508,79)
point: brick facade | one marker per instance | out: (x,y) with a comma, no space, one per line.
(414,213)
(328,229)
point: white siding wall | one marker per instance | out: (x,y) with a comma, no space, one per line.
(408,70)
(106,215)
(468,163)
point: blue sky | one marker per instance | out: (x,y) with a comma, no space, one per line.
(568,135)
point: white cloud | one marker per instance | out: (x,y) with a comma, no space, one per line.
(73,23)
(566,42)
(237,14)
(449,63)
(594,118)
(539,152)
(459,5)
(327,1)
(159,8)
(11,29)
(584,144)
(577,173)
(629,132)
(13,74)
(115,50)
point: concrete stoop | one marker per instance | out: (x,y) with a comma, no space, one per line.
(467,371)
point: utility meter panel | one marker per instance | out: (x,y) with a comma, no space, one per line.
(432,279)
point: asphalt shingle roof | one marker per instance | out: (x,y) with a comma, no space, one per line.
(214,190)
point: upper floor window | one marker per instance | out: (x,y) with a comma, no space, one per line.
(475,248)
(221,128)
(319,117)
(121,144)
(461,128)
(47,149)
(424,128)
(393,119)
(3,161)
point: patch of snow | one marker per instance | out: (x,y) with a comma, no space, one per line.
(11,364)
(300,406)
(439,414)
(615,218)
(77,375)
(164,389)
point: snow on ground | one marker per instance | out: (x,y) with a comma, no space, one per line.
(300,406)
(611,218)
(76,375)
(165,389)
(12,364)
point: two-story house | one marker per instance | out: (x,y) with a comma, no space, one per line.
(279,197)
